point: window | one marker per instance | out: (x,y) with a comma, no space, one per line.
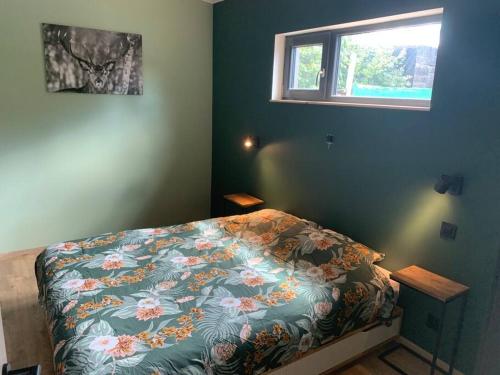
(307,56)
(306,67)
(391,63)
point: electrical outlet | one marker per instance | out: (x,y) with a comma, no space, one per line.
(432,322)
(448,231)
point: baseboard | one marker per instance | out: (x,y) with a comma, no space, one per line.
(424,353)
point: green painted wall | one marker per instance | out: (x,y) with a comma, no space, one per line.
(73,165)
(376,184)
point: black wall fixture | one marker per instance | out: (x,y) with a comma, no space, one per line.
(449,184)
(330,140)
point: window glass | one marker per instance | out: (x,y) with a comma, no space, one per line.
(396,63)
(306,67)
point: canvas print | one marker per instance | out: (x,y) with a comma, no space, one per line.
(92,61)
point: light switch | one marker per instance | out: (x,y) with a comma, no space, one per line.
(448,231)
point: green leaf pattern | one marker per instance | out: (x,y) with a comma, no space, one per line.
(241,294)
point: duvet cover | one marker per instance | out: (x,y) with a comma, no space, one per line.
(235,295)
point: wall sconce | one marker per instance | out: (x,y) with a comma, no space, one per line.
(251,142)
(449,184)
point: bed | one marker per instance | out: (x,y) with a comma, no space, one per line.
(236,295)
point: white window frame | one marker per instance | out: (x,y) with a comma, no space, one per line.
(282,43)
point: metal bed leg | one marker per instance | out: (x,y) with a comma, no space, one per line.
(459,333)
(383,357)
(438,340)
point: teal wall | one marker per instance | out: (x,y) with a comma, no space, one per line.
(376,183)
(73,165)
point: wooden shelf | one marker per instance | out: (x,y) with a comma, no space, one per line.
(243,200)
(430,283)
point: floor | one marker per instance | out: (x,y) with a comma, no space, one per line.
(24,327)
(27,340)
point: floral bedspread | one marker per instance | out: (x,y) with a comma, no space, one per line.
(236,295)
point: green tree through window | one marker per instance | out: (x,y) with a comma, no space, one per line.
(307,65)
(374,65)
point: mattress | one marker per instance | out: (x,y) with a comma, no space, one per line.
(236,295)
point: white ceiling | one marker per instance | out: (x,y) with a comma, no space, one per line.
(212,1)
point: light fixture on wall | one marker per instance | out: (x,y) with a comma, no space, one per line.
(251,142)
(449,184)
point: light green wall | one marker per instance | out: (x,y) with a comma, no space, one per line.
(73,165)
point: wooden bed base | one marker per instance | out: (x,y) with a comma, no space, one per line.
(343,350)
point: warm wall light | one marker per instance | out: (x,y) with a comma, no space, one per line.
(449,184)
(251,142)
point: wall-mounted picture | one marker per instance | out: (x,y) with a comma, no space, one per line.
(92,61)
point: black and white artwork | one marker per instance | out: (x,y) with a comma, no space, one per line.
(92,61)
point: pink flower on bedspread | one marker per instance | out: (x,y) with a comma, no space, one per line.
(148,314)
(187,261)
(322,309)
(67,246)
(254,281)
(321,241)
(130,247)
(89,285)
(248,273)
(336,294)
(315,273)
(103,343)
(255,261)
(124,347)
(113,262)
(69,306)
(50,261)
(203,244)
(230,302)
(185,299)
(221,353)
(211,232)
(82,285)
(305,342)
(277,270)
(251,278)
(167,285)
(73,284)
(247,304)
(193,261)
(330,271)
(148,303)
(154,231)
(149,308)
(245,332)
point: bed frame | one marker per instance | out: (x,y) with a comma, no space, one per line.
(3,351)
(343,350)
